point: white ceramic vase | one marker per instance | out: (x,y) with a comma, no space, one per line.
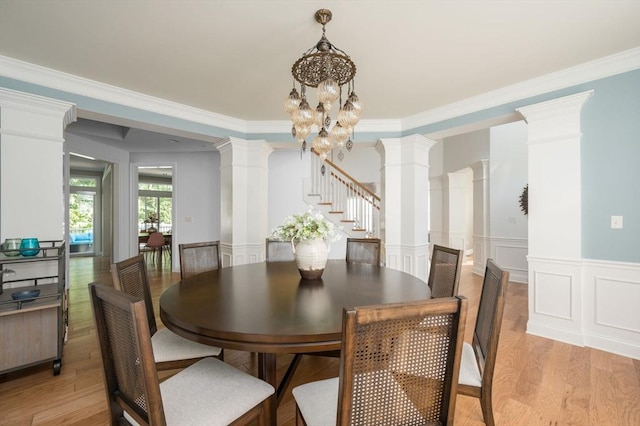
(311,258)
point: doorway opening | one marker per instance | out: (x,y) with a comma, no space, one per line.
(155,204)
(84,213)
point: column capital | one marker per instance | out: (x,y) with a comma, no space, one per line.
(480,170)
(412,149)
(232,142)
(417,139)
(39,106)
(242,151)
(566,105)
(556,119)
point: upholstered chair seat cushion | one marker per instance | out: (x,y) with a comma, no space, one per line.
(168,346)
(469,371)
(318,402)
(210,393)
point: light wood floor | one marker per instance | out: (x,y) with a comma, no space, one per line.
(538,381)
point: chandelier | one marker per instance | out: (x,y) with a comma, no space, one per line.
(327,68)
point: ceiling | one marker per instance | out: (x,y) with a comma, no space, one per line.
(234,57)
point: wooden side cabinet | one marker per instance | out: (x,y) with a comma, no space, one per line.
(32,330)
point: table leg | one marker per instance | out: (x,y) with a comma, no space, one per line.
(267,372)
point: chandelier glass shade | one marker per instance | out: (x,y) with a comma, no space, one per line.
(331,71)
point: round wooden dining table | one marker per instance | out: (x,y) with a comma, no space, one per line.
(269,309)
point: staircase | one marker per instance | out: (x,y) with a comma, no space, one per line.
(342,199)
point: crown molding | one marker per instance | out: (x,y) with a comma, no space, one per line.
(608,66)
(35,74)
(605,67)
(284,126)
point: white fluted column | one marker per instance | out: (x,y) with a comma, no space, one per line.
(405,203)
(244,184)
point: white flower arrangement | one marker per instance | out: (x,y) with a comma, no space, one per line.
(305,227)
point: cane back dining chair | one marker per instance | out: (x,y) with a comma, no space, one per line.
(399,365)
(363,250)
(279,251)
(196,258)
(479,357)
(208,392)
(170,350)
(444,274)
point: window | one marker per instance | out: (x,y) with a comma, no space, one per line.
(154,205)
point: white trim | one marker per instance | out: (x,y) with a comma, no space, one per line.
(616,265)
(602,296)
(507,252)
(618,63)
(35,74)
(553,108)
(555,333)
(27,135)
(37,104)
(612,306)
(364,126)
(604,67)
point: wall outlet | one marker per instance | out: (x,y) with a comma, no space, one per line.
(616,222)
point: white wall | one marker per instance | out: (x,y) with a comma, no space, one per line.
(506,149)
(363,164)
(508,170)
(463,150)
(287,172)
(508,176)
(196,194)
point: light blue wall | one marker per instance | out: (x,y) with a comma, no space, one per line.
(610,152)
(610,161)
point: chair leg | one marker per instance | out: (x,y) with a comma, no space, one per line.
(487,408)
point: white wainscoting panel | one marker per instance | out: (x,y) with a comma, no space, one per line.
(555,305)
(413,260)
(612,306)
(591,303)
(479,255)
(552,295)
(615,304)
(241,254)
(457,240)
(435,237)
(511,255)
